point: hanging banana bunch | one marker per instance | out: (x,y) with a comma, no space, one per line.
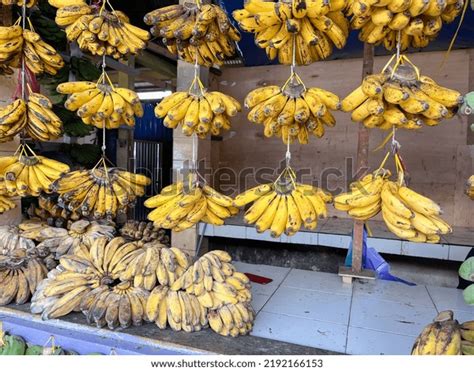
(470,187)
(6,202)
(198,111)
(292,111)
(184,204)
(195,32)
(100,31)
(406,213)
(50,212)
(17,43)
(28,3)
(284,206)
(401,97)
(101,104)
(27,174)
(415,23)
(102,192)
(309,30)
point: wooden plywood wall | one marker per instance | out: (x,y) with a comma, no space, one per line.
(438,158)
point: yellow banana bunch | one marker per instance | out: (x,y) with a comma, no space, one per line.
(13,119)
(418,21)
(364,200)
(28,3)
(180,206)
(198,111)
(6,202)
(102,192)
(202,34)
(181,310)
(66,241)
(20,274)
(144,232)
(292,112)
(307,30)
(214,281)
(100,31)
(232,319)
(29,175)
(17,43)
(470,187)
(284,206)
(89,280)
(101,104)
(42,123)
(402,98)
(442,337)
(156,264)
(410,215)
(467,335)
(49,211)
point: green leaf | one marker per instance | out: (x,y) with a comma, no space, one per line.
(84,69)
(469,295)
(466,270)
(85,154)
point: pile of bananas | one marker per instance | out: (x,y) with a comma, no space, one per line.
(66,241)
(179,309)
(402,99)
(144,232)
(17,43)
(100,32)
(100,193)
(156,264)
(182,205)
(29,175)
(29,3)
(284,206)
(312,28)
(11,239)
(232,319)
(198,111)
(292,112)
(20,274)
(50,212)
(470,187)
(467,336)
(442,337)
(418,21)
(215,281)
(364,200)
(88,281)
(35,116)
(202,34)
(101,104)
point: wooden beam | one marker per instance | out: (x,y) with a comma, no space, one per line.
(157,64)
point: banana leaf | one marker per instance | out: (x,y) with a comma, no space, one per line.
(466,270)
(469,295)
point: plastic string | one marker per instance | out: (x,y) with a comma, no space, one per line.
(453,40)
(399,43)
(104,147)
(293,60)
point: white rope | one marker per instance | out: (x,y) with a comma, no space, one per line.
(23,64)
(288,152)
(293,63)
(399,44)
(104,147)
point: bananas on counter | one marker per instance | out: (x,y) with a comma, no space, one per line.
(65,241)
(210,291)
(401,97)
(21,271)
(467,336)
(17,43)
(101,104)
(181,205)
(470,187)
(35,116)
(28,174)
(101,192)
(11,239)
(442,337)
(144,232)
(418,21)
(198,111)
(284,206)
(292,112)
(98,30)
(312,28)
(202,34)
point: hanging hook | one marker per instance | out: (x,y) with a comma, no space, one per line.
(288,152)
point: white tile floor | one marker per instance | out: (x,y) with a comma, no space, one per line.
(375,317)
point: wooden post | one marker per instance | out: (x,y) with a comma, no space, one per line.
(356,270)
